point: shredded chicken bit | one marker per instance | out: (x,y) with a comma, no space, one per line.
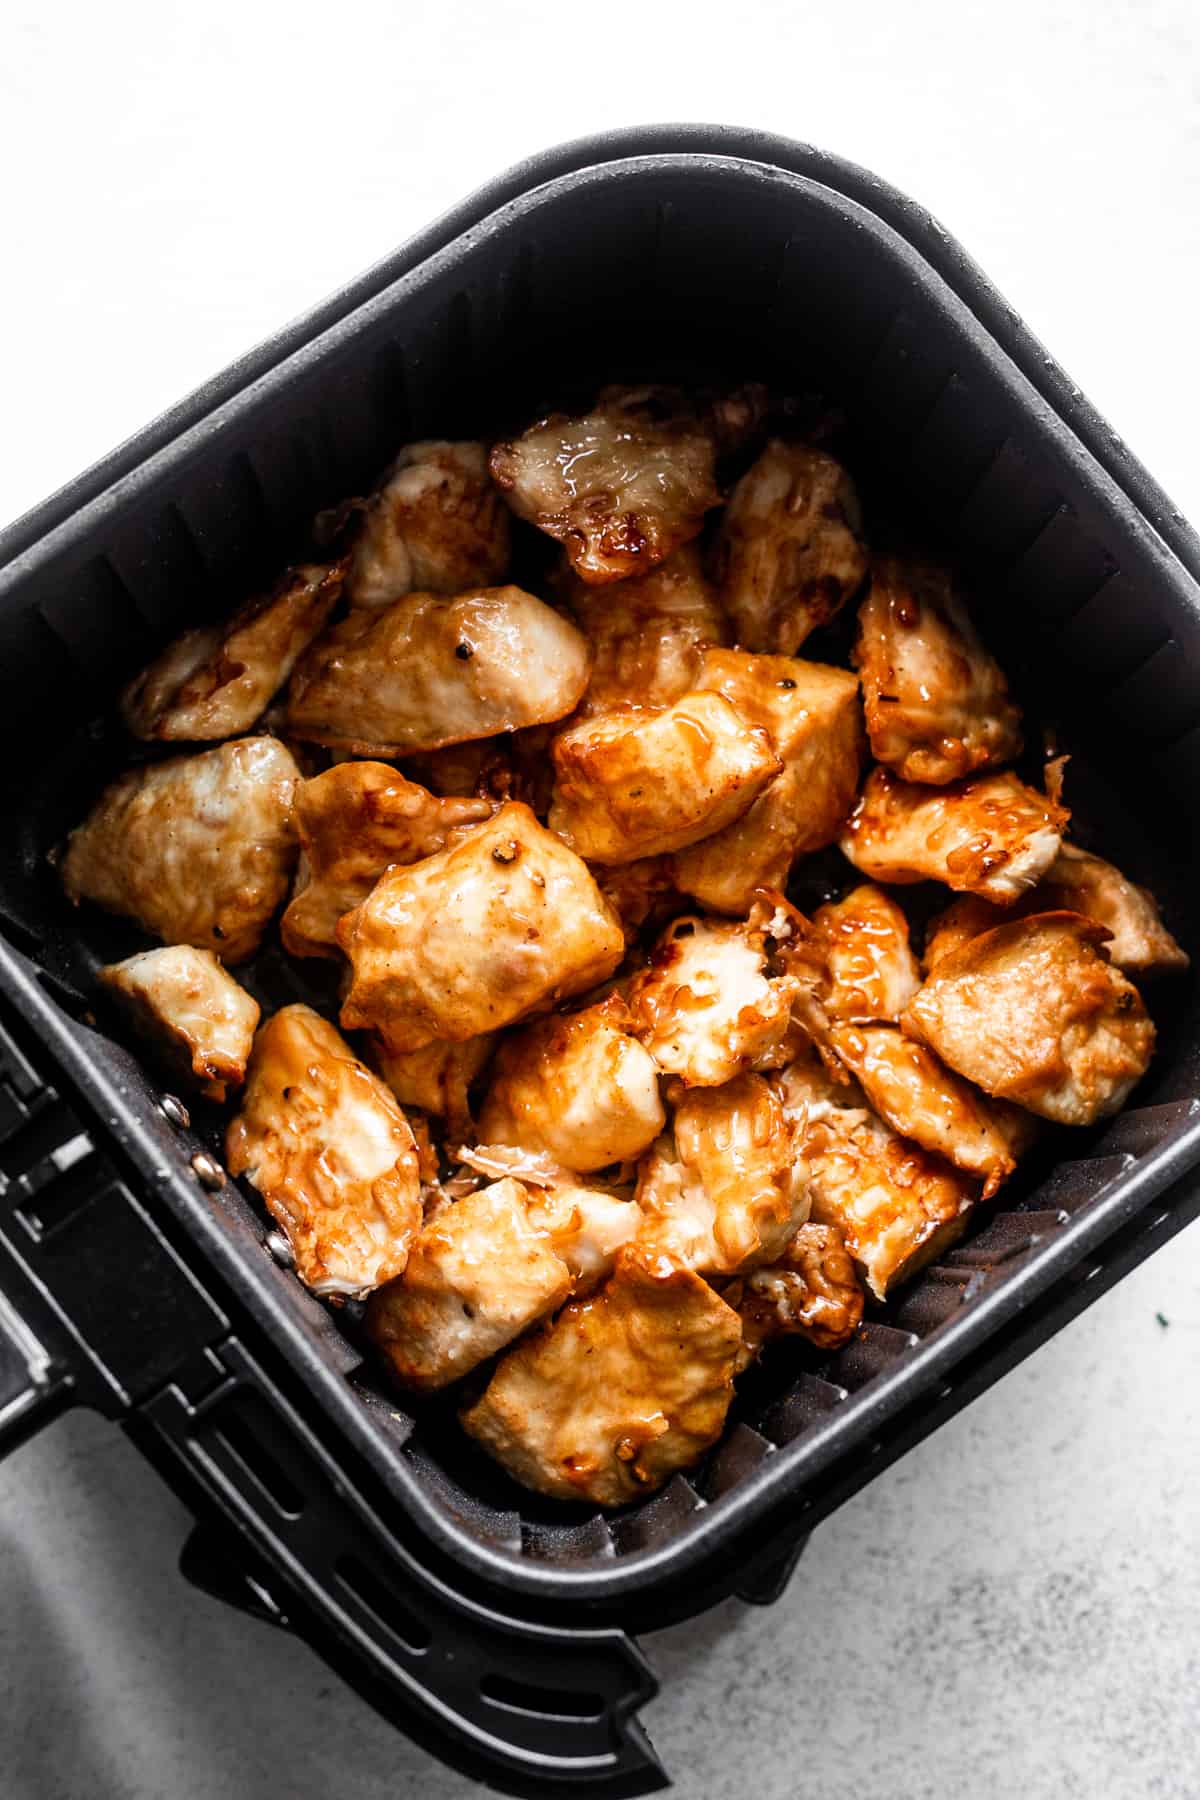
(198,849)
(619,1391)
(936,701)
(1033,1011)
(331,1153)
(811,1292)
(191,1011)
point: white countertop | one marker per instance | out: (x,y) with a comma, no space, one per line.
(1014,1609)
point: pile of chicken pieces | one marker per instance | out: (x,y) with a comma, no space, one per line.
(616,1114)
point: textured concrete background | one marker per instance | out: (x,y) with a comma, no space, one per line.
(1014,1610)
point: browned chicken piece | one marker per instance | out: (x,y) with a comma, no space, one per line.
(585,1226)
(870,970)
(914,1093)
(811,1292)
(190,1011)
(579,1087)
(991,836)
(1032,1011)
(355,821)
(964,919)
(619,488)
(198,849)
(331,1153)
(811,716)
(217,681)
(726,1188)
(937,702)
(620,1391)
(647,634)
(478,770)
(896,1206)
(634,784)
(437,1078)
(789,553)
(488,930)
(706,1009)
(478,1276)
(434,525)
(432,670)
(640,893)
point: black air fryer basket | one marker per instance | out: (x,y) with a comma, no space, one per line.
(134,1277)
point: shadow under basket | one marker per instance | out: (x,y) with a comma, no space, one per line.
(136,1279)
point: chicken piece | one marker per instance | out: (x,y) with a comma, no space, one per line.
(190,1011)
(811,1292)
(789,552)
(920,1098)
(726,1189)
(640,893)
(478,1276)
(634,784)
(620,1391)
(870,970)
(217,681)
(937,702)
(198,849)
(437,1078)
(355,821)
(647,634)
(991,836)
(434,525)
(896,1206)
(488,930)
(431,670)
(331,1153)
(585,1226)
(621,487)
(966,918)
(811,716)
(579,1087)
(706,1009)
(478,770)
(1032,1011)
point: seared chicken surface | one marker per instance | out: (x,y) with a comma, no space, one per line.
(936,701)
(992,836)
(331,1153)
(641,893)
(194,1014)
(217,681)
(635,784)
(353,822)
(437,1078)
(811,1292)
(585,1226)
(1033,1011)
(789,552)
(648,634)
(434,525)
(197,850)
(431,670)
(619,1391)
(869,971)
(477,936)
(812,720)
(619,488)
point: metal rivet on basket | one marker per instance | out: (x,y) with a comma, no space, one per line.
(280,1249)
(174,1111)
(209,1172)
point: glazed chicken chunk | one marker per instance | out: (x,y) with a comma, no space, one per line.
(634,784)
(331,1153)
(648,634)
(991,836)
(478,1276)
(870,972)
(194,1014)
(217,681)
(1033,1011)
(585,1226)
(620,1391)
(726,1189)
(811,716)
(641,893)
(488,930)
(789,552)
(437,1078)
(431,670)
(355,821)
(197,850)
(937,702)
(811,1292)
(580,1087)
(434,525)
(706,1008)
(619,488)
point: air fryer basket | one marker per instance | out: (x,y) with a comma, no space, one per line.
(687,252)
